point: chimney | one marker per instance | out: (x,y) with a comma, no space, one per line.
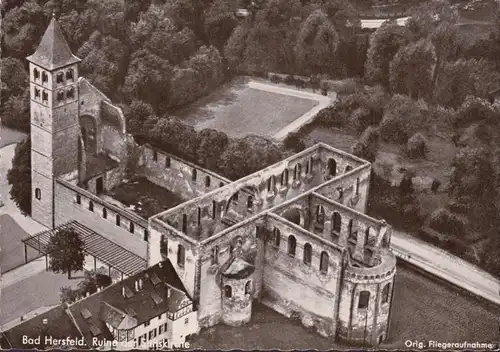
(136,286)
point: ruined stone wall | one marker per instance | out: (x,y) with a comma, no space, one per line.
(90,105)
(114,142)
(237,309)
(366,323)
(179,176)
(67,208)
(111,179)
(299,290)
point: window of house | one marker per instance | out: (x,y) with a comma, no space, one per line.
(271,182)
(364,298)
(155,156)
(146,235)
(78,199)
(60,96)
(45,77)
(167,161)
(307,254)
(198,216)
(91,205)
(60,77)
(194,175)
(37,93)
(45,97)
(297,171)
(292,245)
(70,74)
(228,291)
(337,222)
(36,73)
(186,321)
(248,287)
(151,334)
(104,213)
(284,178)
(131,227)
(357,186)
(118,220)
(323,264)
(38,193)
(160,329)
(250,203)
(214,209)
(385,293)
(207,181)
(215,255)
(184,223)
(70,94)
(147,323)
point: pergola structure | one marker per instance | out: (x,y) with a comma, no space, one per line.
(95,245)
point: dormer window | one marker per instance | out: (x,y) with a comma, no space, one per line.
(60,96)
(70,94)
(45,97)
(69,75)
(36,73)
(45,77)
(37,93)
(60,78)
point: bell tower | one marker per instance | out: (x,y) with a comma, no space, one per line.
(55,128)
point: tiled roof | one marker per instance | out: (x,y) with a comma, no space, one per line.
(59,326)
(110,305)
(53,51)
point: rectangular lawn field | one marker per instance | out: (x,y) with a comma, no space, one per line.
(240,110)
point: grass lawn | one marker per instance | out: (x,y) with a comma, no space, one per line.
(33,292)
(239,110)
(437,164)
(11,235)
(8,136)
(145,198)
(423,310)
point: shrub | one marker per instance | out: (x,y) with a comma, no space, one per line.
(290,80)
(294,315)
(275,79)
(416,146)
(294,142)
(447,222)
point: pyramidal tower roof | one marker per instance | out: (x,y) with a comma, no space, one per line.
(53,51)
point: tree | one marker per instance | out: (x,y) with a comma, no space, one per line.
(14,78)
(429,15)
(235,46)
(384,44)
(16,111)
(136,114)
(19,177)
(368,144)
(416,146)
(317,44)
(294,142)
(475,109)
(412,68)
(68,295)
(66,252)
(212,146)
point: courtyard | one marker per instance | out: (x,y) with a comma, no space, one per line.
(245,107)
(423,310)
(143,197)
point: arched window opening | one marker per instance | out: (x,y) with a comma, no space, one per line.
(118,220)
(320,217)
(352,233)
(131,227)
(104,213)
(146,235)
(271,182)
(207,181)
(348,168)
(337,222)
(37,93)
(364,298)
(292,245)
(215,255)
(297,171)
(228,291)
(45,77)
(60,78)
(307,254)
(155,156)
(332,167)
(45,97)
(250,203)
(357,186)
(311,164)
(184,223)
(70,94)
(36,74)
(214,209)
(70,75)
(181,254)
(78,199)
(60,96)
(323,264)
(194,175)
(367,235)
(284,178)
(385,293)
(199,216)
(167,161)
(277,237)
(248,287)
(38,193)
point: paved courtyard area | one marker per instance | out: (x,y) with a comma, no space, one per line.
(247,107)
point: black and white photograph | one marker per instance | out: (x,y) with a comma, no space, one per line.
(250,174)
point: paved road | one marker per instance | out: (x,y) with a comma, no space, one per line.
(446,266)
